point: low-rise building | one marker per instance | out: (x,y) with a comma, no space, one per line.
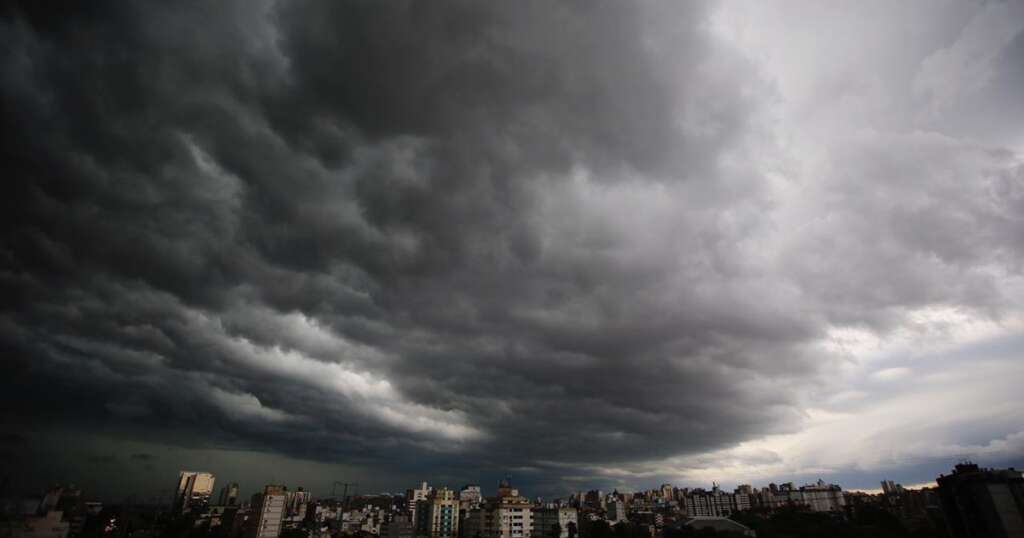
(49,525)
(719,524)
(400,526)
(544,520)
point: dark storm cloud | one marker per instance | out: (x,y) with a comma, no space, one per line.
(404,234)
(373,166)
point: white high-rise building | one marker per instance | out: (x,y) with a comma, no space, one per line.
(819,497)
(715,503)
(509,515)
(421,493)
(269,509)
(443,514)
(414,497)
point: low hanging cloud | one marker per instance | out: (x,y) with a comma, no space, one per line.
(593,237)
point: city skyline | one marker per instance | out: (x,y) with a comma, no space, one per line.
(327,487)
(972,500)
(203,488)
(617,244)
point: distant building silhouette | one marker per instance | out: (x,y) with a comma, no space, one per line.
(229,494)
(819,497)
(890,488)
(983,503)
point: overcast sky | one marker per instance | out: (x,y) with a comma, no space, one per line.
(586,244)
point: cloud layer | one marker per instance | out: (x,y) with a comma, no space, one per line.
(459,239)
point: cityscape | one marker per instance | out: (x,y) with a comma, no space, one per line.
(511,268)
(971,501)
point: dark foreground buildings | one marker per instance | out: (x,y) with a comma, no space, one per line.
(983,503)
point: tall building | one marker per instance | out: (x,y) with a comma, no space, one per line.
(667,493)
(415,496)
(700,503)
(890,488)
(193,492)
(616,511)
(594,499)
(443,518)
(295,510)
(515,516)
(983,502)
(269,509)
(229,494)
(508,515)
